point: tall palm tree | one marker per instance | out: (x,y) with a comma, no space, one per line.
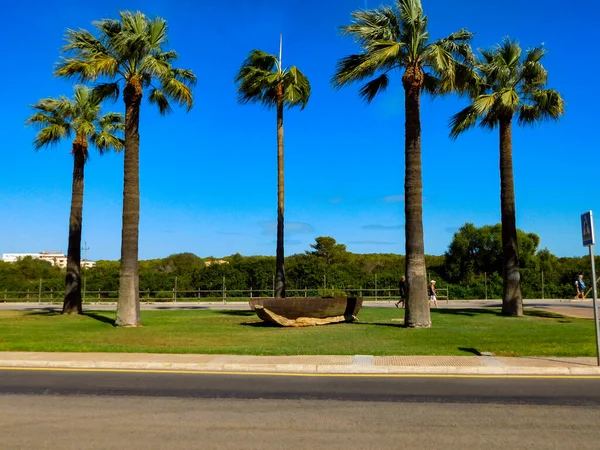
(131,52)
(263,79)
(508,84)
(58,119)
(396,38)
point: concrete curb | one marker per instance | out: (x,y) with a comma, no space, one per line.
(302,368)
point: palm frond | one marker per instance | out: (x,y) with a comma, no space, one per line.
(508,100)
(88,57)
(528,114)
(373,25)
(185,76)
(353,68)
(82,41)
(155,67)
(296,88)
(533,75)
(483,103)
(509,51)
(159,99)
(258,78)
(462,121)
(374,87)
(112,122)
(431,84)
(109,28)
(261,61)
(157,33)
(413,26)
(178,91)
(58,118)
(105,141)
(491,120)
(51,134)
(535,54)
(106,91)
(132,47)
(549,102)
(510,83)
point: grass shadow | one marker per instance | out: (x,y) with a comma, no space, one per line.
(543,314)
(471,312)
(175,307)
(48,312)
(233,312)
(474,351)
(261,324)
(100,318)
(379,324)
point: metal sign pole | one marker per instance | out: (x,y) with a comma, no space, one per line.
(595,294)
(587,235)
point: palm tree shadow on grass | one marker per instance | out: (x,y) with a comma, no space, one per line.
(380,324)
(100,318)
(471,312)
(543,314)
(48,312)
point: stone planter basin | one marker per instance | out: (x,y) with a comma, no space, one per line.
(315,307)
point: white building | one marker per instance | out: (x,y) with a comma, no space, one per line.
(56,258)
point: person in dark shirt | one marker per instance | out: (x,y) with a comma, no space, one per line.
(402,287)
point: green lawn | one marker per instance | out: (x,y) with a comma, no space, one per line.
(454,332)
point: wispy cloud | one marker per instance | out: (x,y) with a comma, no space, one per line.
(394,198)
(380,227)
(336,200)
(371,243)
(269,228)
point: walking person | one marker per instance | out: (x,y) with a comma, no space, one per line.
(402,288)
(580,286)
(432,294)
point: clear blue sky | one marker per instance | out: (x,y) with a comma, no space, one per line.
(208,178)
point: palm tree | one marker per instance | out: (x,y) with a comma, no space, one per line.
(397,39)
(263,79)
(506,84)
(58,119)
(129,51)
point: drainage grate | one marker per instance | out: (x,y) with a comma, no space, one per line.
(362,360)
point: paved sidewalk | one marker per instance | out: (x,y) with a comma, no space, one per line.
(306,364)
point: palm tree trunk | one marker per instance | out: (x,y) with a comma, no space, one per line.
(417,305)
(279,263)
(72,303)
(512,301)
(128,307)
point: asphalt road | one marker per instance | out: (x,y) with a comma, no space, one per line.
(88,410)
(414,389)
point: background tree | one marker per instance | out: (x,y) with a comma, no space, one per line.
(58,119)
(130,51)
(397,39)
(327,248)
(475,251)
(263,79)
(506,84)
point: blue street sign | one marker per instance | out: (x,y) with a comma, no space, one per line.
(587,229)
